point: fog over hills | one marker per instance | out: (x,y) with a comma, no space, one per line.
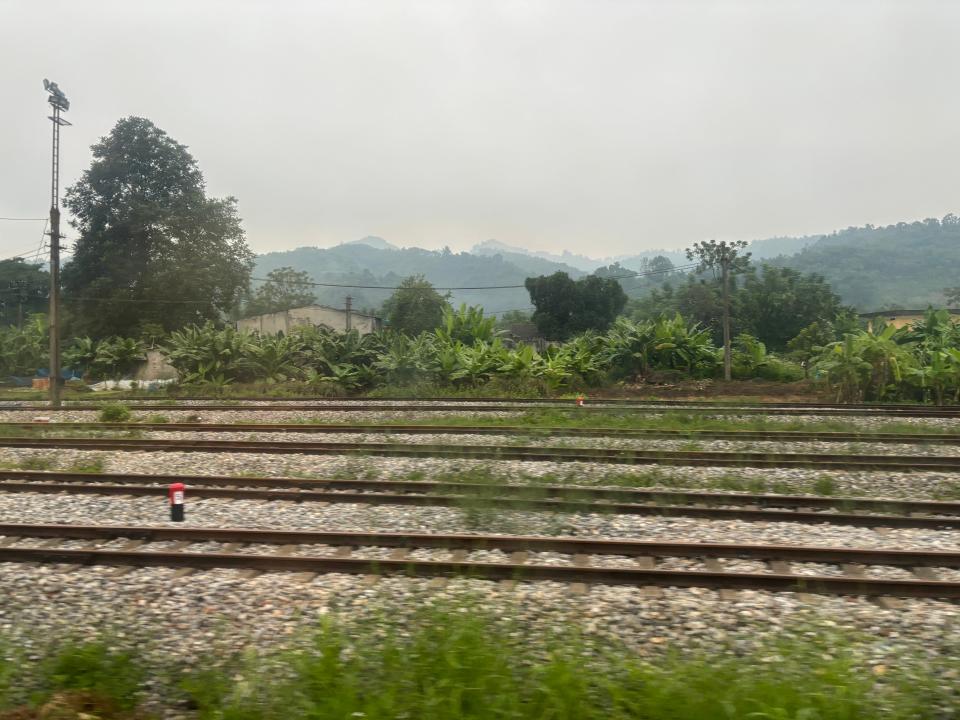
(907,264)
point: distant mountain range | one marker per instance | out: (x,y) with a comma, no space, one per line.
(903,265)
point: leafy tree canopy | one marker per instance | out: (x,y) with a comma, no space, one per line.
(415,307)
(285,288)
(772,303)
(152,247)
(776,304)
(22,283)
(565,307)
(712,255)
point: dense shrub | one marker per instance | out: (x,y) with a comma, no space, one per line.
(114,413)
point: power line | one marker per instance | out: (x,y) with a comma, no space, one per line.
(479,287)
(20,255)
(13,219)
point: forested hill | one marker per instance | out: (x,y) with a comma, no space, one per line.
(358,263)
(906,265)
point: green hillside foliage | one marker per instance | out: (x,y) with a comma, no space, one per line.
(906,265)
(361,264)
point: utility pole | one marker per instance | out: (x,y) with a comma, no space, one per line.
(21,298)
(349,308)
(725,259)
(58,101)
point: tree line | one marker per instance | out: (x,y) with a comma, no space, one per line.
(155,256)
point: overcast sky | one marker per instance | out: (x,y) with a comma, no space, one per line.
(602,127)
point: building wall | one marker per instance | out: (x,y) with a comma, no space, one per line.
(904,317)
(285,321)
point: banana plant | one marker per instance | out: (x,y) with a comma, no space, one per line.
(845,370)
(81,355)
(274,359)
(117,356)
(466,325)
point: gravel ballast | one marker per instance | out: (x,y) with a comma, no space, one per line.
(359,415)
(878,484)
(356,517)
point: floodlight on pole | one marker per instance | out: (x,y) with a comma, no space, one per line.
(58,101)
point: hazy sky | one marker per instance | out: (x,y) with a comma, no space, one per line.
(603,127)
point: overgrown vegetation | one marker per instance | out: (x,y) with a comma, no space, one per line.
(463,353)
(884,363)
(458,662)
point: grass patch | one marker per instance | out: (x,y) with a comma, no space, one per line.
(949,491)
(667,419)
(114,413)
(458,661)
(88,465)
(37,462)
(74,680)
(459,664)
(825,485)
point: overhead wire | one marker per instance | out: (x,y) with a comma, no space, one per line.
(477,287)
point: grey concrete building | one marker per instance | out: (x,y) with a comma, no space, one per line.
(287,320)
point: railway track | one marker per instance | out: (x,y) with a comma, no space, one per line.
(511,406)
(859,512)
(18,545)
(529,401)
(902,463)
(517,430)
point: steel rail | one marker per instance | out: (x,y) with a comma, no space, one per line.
(653,509)
(771,582)
(506,543)
(575,493)
(893,411)
(529,401)
(505,452)
(521,430)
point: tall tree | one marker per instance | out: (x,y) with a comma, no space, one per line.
(24,288)
(153,249)
(726,259)
(565,307)
(285,288)
(777,303)
(415,307)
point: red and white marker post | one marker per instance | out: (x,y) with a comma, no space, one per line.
(176,494)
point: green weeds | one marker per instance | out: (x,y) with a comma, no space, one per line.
(75,680)
(825,485)
(114,413)
(460,664)
(37,462)
(458,661)
(88,465)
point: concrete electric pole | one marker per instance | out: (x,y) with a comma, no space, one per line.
(58,101)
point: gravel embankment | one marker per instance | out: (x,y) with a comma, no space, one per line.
(886,484)
(265,416)
(357,517)
(214,613)
(545,558)
(379,416)
(653,444)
